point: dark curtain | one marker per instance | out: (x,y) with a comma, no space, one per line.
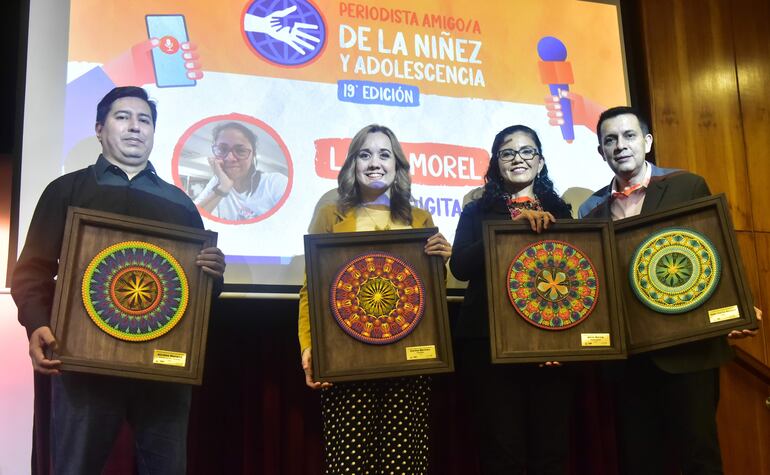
(254,415)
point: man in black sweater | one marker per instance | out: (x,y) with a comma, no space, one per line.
(88,410)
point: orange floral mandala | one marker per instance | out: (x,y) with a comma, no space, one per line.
(552,285)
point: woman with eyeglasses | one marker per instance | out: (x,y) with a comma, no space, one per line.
(238,191)
(378,426)
(521,411)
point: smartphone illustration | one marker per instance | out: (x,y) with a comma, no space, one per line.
(167,59)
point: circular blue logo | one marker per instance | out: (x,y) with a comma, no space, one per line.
(285,32)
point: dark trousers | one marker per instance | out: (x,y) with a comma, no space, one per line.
(89,410)
(663,415)
(521,412)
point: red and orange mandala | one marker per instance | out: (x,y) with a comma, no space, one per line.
(377,298)
(552,285)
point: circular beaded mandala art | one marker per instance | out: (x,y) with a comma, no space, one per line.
(552,285)
(674,270)
(135,291)
(377,298)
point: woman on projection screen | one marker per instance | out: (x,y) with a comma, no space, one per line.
(521,411)
(238,190)
(374,188)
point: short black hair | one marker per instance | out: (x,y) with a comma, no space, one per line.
(103,108)
(620,110)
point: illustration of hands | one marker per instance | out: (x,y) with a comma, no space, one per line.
(134,67)
(584,111)
(273,26)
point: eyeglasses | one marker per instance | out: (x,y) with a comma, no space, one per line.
(222,151)
(509,154)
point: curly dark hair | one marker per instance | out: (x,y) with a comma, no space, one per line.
(400,190)
(494,185)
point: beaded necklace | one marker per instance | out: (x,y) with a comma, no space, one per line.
(517,205)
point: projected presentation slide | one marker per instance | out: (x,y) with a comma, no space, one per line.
(283,85)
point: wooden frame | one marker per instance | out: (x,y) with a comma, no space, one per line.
(176,356)
(338,356)
(650,330)
(600,336)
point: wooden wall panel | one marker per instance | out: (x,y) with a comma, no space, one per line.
(755,346)
(762,241)
(744,422)
(752,58)
(694,95)
(707,66)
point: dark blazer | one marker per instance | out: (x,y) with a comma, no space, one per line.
(669,188)
(467,263)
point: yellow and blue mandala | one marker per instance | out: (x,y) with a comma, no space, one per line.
(135,291)
(674,270)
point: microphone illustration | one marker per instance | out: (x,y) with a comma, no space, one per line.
(168,45)
(557,74)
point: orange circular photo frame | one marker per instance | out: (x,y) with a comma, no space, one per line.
(193,148)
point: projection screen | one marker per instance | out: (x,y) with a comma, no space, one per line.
(304,76)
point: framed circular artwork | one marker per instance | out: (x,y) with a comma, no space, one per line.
(377,298)
(552,285)
(674,270)
(135,291)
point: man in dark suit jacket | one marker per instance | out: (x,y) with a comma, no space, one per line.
(666,399)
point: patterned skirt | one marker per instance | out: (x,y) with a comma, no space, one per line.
(377,427)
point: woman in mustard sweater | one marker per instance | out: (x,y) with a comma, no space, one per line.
(378,426)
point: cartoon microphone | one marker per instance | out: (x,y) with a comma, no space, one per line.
(557,74)
(168,45)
